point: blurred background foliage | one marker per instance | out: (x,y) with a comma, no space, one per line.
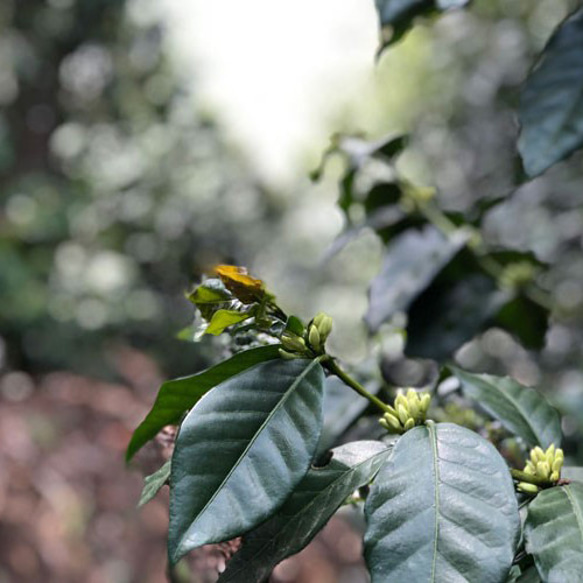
(119,188)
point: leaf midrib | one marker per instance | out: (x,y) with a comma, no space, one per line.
(271,414)
(433,438)
(511,400)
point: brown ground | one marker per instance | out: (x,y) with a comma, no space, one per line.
(68,503)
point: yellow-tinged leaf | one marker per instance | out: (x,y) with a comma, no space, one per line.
(244,287)
(223,319)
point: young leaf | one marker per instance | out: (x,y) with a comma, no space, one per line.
(295,325)
(551,108)
(522,410)
(441,509)
(179,395)
(554,533)
(307,510)
(223,319)
(242,450)
(154,482)
(411,262)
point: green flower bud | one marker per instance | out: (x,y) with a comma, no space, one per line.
(403,414)
(550,454)
(527,488)
(557,465)
(529,468)
(409,424)
(414,404)
(537,455)
(543,469)
(424,403)
(293,342)
(555,476)
(324,327)
(287,355)
(392,422)
(401,400)
(314,338)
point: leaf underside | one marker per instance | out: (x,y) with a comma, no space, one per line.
(241,450)
(154,482)
(442,509)
(522,410)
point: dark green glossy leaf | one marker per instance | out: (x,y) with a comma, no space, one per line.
(179,395)
(522,410)
(448,314)
(154,482)
(305,513)
(222,319)
(525,319)
(410,264)
(441,509)
(551,108)
(464,300)
(554,533)
(242,450)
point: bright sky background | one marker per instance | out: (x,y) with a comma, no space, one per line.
(275,73)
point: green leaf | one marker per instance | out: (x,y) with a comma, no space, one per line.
(574,473)
(450,313)
(179,395)
(295,325)
(528,575)
(211,291)
(554,533)
(527,320)
(242,450)
(551,108)
(522,410)
(305,513)
(154,482)
(464,300)
(410,264)
(399,15)
(441,509)
(223,319)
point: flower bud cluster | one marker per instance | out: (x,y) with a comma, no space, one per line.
(409,409)
(311,343)
(543,467)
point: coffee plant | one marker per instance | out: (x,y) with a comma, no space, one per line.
(461,477)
